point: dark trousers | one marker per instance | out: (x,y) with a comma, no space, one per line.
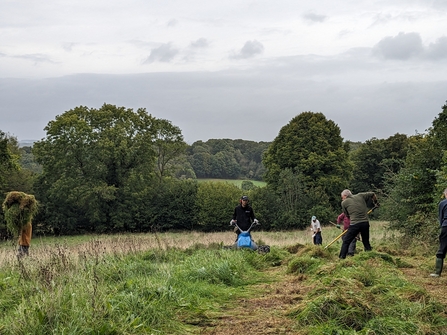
(353,231)
(352,245)
(442,243)
(23,251)
(318,239)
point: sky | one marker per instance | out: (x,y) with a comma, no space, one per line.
(237,69)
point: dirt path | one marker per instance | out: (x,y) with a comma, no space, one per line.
(419,276)
(264,313)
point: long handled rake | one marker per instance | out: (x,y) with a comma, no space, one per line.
(344,232)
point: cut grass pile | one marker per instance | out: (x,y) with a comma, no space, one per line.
(19,209)
(366,294)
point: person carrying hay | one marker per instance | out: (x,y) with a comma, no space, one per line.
(19,209)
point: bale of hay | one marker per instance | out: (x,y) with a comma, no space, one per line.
(19,209)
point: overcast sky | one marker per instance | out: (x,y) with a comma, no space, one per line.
(226,69)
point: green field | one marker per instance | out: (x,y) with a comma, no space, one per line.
(236,182)
(187,283)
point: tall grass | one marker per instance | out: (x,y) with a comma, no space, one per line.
(179,283)
(115,287)
(135,243)
(121,244)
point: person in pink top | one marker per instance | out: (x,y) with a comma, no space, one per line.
(346,222)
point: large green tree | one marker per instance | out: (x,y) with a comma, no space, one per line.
(413,192)
(13,176)
(311,147)
(375,159)
(94,163)
(8,158)
(169,147)
(15,173)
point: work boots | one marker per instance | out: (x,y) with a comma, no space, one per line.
(438,268)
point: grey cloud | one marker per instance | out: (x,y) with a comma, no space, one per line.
(164,53)
(172,23)
(36,58)
(143,44)
(314,17)
(68,46)
(250,49)
(438,50)
(441,4)
(344,32)
(381,18)
(401,47)
(405,16)
(200,43)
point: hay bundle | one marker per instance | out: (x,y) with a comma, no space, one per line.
(19,209)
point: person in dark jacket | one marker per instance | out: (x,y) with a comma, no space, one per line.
(243,215)
(440,255)
(356,209)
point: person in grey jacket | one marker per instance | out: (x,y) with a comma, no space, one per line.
(440,255)
(356,209)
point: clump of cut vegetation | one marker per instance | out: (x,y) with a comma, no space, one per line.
(19,209)
(365,295)
(303,265)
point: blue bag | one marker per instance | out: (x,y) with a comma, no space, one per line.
(244,240)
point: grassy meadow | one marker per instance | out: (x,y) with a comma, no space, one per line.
(188,283)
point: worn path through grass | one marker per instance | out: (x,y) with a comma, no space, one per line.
(266,311)
(420,275)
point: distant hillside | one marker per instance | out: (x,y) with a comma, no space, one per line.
(26,143)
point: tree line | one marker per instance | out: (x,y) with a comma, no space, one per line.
(113,169)
(227,159)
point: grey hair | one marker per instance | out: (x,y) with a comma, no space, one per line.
(346,192)
(445,191)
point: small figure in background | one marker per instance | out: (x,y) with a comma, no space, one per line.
(316,228)
(19,209)
(25,240)
(243,215)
